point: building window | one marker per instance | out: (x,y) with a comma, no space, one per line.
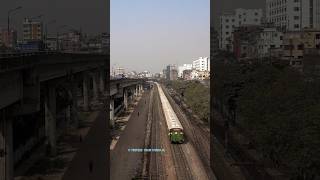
(232,20)
(296,17)
(296,26)
(227,26)
(227,20)
(256,14)
(256,20)
(296,1)
(296,8)
(281,38)
(317,36)
(227,33)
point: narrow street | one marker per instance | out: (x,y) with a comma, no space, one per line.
(125,164)
(90,160)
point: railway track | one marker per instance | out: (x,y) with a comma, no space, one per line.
(197,133)
(156,163)
(181,164)
(201,141)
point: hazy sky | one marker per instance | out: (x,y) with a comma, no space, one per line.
(90,15)
(219,6)
(149,34)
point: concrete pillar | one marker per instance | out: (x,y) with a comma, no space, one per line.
(125,99)
(101,81)
(136,91)
(74,108)
(139,89)
(6,147)
(68,115)
(50,120)
(95,86)
(112,112)
(85,94)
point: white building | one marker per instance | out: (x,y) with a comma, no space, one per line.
(201,64)
(229,21)
(194,74)
(51,43)
(182,68)
(118,71)
(269,38)
(293,15)
(32,30)
(145,74)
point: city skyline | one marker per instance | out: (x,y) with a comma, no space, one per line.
(64,12)
(161,33)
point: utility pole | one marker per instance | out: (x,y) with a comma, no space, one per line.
(8,25)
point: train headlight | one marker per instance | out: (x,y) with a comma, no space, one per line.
(175,133)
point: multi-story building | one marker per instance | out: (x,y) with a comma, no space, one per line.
(105,42)
(164,74)
(201,64)
(229,21)
(214,41)
(171,72)
(293,15)
(118,71)
(8,39)
(70,41)
(145,74)
(269,39)
(244,41)
(187,74)
(32,30)
(202,75)
(295,43)
(194,74)
(182,68)
(51,43)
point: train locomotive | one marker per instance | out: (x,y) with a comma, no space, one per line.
(175,128)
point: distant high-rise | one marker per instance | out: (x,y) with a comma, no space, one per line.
(70,41)
(105,42)
(8,39)
(182,68)
(214,41)
(171,72)
(293,15)
(32,30)
(202,64)
(228,21)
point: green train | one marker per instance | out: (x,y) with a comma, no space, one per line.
(175,128)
